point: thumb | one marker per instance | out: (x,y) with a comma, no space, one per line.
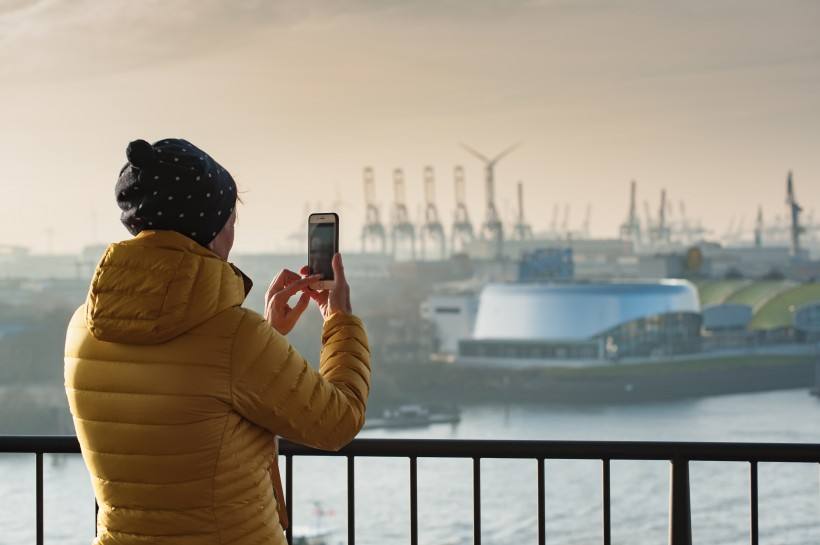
(338,268)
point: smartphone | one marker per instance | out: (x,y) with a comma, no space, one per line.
(323,243)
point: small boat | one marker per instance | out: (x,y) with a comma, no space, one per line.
(308,535)
(414,416)
(318,534)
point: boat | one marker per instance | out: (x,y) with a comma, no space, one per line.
(319,534)
(309,535)
(415,416)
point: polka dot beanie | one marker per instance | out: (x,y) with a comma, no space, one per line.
(174,185)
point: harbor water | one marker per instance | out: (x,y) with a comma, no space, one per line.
(789,493)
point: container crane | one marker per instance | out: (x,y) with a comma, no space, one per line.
(431,230)
(402,234)
(374,239)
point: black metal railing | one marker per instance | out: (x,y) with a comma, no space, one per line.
(678,454)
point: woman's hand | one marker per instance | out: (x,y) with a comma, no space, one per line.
(278,313)
(336,299)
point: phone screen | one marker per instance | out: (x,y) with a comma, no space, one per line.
(322,239)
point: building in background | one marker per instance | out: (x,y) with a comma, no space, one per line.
(568,324)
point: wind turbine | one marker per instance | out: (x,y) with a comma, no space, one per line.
(491,229)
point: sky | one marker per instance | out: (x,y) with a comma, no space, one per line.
(712,100)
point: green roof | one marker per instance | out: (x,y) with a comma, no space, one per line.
(757,294)
(715,292)
(778,311)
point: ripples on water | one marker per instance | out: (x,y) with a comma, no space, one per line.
(789,495)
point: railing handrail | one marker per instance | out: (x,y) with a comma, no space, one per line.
(500,448)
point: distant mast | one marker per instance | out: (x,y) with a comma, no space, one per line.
(631,228)
(795,210)
(522,230)
(663,228)
(759,228)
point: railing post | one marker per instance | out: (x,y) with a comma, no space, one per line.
(477,500)
(414,502)
(351,501)
(607,503)
(753,535)
(289,496)
(38,462)
(680,516)
(542,507)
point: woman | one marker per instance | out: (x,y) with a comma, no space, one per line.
(177,392)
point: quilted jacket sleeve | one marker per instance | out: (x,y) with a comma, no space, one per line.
(274,387)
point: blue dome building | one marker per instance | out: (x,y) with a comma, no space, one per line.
(526,323)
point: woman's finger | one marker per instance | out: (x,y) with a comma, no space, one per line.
(319,296)
(299,285)
(284,277)
(338,269)
(300,306)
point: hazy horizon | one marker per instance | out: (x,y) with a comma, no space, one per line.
(713,101)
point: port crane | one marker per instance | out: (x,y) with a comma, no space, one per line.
(374,239)
(462,233)
(432,233)
(403,233)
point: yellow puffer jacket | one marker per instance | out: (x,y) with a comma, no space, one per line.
(177,393)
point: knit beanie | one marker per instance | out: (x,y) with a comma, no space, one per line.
(174,185)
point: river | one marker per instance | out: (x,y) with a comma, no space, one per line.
(789,493)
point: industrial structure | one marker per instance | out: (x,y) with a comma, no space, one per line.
(661,242)
(631,227)
(659,233)
(402,231)
(759,228)
(736,311)
(433,243)
(462,230)
(374,239)
(566,324)
(521,230)
(794,211)
(492,230)
(521,325)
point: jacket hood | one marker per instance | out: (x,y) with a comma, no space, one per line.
(157,286)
